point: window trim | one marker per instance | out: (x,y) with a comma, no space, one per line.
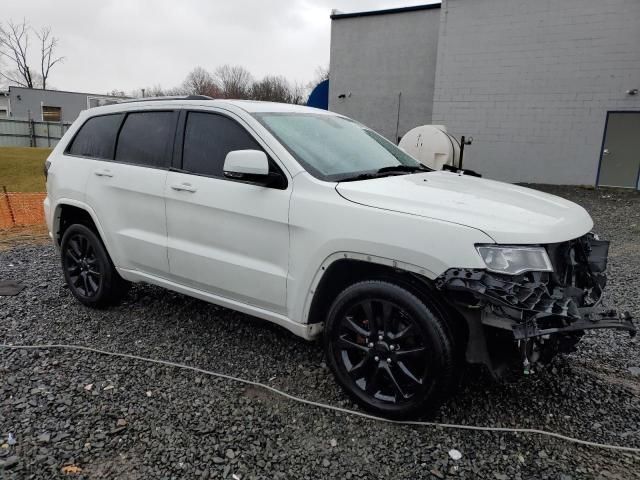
(180,141)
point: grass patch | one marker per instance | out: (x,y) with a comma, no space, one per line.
(21,168)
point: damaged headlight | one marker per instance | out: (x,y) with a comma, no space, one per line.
(514,260)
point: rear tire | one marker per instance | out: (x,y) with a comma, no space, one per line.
(389,351)
(88,270)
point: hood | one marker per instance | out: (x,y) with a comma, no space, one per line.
(507,213)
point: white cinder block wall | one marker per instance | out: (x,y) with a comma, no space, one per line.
(374,57)
(532,82)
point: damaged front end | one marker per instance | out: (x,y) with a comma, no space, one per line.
(539,313)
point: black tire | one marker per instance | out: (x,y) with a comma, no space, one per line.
(88,270)
(390,352)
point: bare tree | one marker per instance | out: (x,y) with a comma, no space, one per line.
(158,91)
(14,44)
(277,89)
(322,74)
(14,49)
(48,45)
(155,91)
(117,93)
(233,81)
(200,82)
(298,94)
(271,89)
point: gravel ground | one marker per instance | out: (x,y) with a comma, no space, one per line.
(121,418)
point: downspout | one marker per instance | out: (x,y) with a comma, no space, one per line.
(398,118)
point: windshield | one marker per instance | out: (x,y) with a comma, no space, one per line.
(334,148)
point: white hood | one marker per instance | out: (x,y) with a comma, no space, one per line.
(507,213)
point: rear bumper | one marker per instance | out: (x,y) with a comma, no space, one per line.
(47,214)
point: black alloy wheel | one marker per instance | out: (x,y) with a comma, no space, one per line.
(88,270)
(82,266)
(390,352)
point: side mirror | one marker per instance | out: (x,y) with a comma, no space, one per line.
(241,163)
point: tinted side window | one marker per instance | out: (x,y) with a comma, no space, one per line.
(207,140)
(97,137)
(146,138)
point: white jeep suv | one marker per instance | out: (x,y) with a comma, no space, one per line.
(314,222)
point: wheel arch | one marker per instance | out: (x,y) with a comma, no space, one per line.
(67,212)
(344,269)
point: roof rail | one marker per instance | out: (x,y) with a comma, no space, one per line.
(172,97)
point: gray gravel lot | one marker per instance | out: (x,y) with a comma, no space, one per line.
(147,421)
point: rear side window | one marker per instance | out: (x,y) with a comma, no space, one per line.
(97,137)
(146,138)
(207,140)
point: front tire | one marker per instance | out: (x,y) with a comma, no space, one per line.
(388,350)
(88,270)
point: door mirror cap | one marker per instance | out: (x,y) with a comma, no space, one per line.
(246,162)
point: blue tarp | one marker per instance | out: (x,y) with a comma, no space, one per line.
(319,97)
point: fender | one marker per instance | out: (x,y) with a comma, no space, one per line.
(363,257)
(55,221)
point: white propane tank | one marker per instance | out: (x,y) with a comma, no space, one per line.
(432,146)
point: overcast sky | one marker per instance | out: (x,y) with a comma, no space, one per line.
(128,44)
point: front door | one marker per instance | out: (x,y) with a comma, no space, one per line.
(620,161)
(226,237)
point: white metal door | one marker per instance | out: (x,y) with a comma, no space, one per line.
(229,238)
(129,203)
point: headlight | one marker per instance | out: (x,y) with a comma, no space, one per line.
(515,260)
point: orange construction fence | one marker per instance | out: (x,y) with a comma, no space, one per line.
(17,209)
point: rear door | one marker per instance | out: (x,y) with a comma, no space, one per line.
(94,141)
(127,193)
(226,236)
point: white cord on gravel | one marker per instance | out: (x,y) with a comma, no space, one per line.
(325,406)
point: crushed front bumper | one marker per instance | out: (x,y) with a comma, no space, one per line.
(526,303)
(590,321)
(537,306)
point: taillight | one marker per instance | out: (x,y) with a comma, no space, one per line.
(47,164)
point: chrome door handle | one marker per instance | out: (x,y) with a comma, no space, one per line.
(184,187)
(103,173)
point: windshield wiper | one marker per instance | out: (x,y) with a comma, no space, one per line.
(386,171)
(361,176)
(404,168)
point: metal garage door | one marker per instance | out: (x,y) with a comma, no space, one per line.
(620,157)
